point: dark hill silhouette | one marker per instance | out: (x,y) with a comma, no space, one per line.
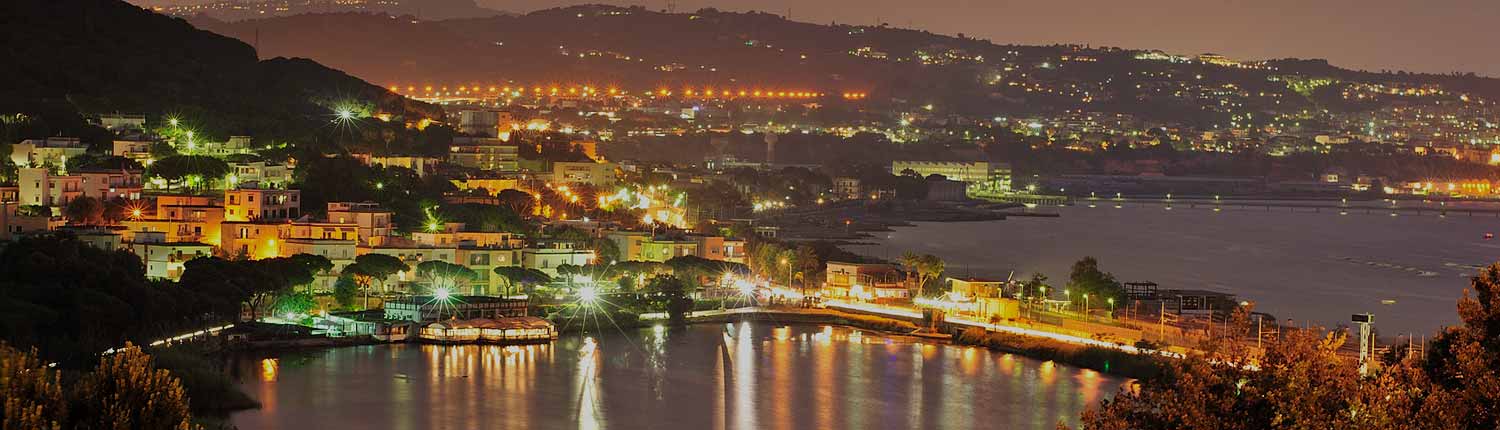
(67,59)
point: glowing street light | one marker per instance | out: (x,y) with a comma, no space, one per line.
(442,294)
(588,294)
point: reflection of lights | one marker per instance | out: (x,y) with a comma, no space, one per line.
(268,369)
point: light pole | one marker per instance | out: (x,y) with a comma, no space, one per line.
(1085,305)
(1111,307)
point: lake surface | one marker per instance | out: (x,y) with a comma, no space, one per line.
(1319,267)
(718,376)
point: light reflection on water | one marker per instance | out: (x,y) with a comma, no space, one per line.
(732,376)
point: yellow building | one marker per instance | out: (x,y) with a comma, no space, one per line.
(973,288)
(248,204)
(596,174)
(493,186)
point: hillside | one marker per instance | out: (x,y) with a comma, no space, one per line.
(235,10)
(636,48)
(69,59)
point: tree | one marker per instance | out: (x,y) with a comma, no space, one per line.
(606,250)
(1036,286)
(526,278)
(442,275)
(928,268)
(345,289)
(370,268)
(85,210)
(195,171)
(1463,360)
(30,394)
(381,267)
(669,294)
(1298,382)
(294,303)
(1087,279)
(570,272)
(314,264)
(127,391)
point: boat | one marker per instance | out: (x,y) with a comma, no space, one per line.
(502,331)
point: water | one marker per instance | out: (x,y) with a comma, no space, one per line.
(1318,267)
(741,376)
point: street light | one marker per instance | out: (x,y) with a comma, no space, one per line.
(1111,307)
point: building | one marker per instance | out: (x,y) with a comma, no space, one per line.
(719,248)
(180,218)
(235,145)
(163,259)
(596,174)
(52,151)
(483,260)
(259,174)
(847,188)
(943,190)
(18,220)
(661,249)
(423,166)
(331,240)
(492,186)
(975,288)
(38,186)
(110,184)
(107,239)
(138,150)
(963,171)
(488,123)
(589,148)
(247,204)
(548,254)
(251,239)
(628,242)
(865,281)
(429,308)
(121,121)
(488,154)
(372,220)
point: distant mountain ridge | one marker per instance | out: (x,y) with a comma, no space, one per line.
(641,49)
(68,58)
(235,10)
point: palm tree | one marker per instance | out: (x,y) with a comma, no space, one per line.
(926,266)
